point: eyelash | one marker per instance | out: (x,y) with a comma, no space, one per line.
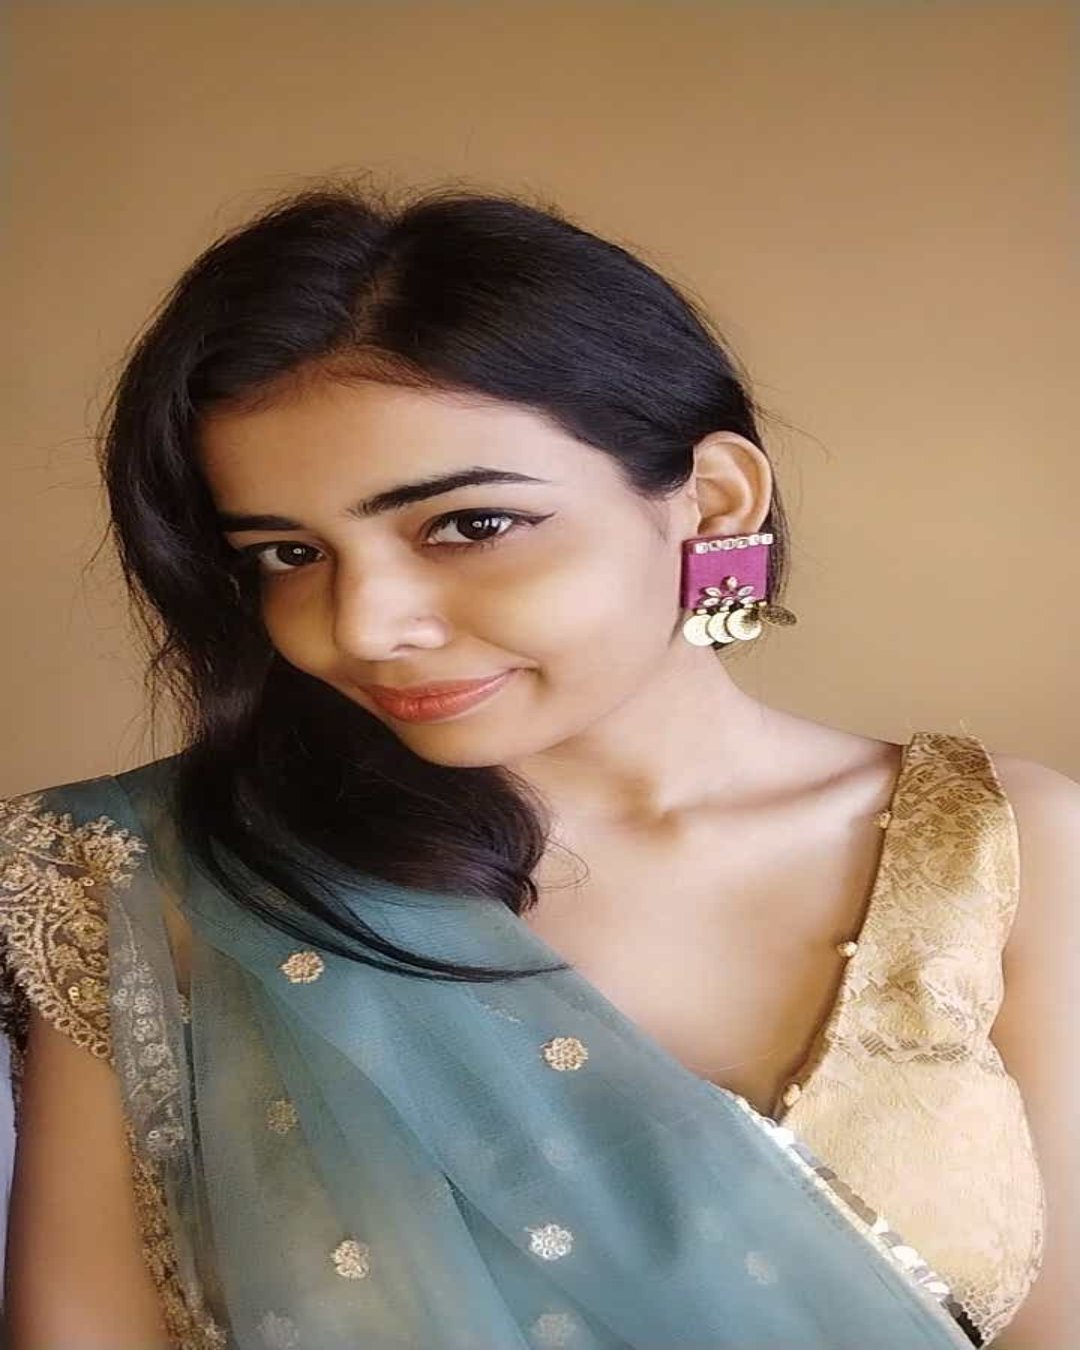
(253,552)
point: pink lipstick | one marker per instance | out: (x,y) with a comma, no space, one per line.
(450,698)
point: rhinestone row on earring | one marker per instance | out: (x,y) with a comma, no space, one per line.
(727,593)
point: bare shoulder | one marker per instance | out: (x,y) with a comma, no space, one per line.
(1027,776)
(1038,792)
(1046,805)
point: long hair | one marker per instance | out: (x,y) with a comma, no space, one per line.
(284,784)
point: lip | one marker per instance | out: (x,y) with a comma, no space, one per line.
(434,702)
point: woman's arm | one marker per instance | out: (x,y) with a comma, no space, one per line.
(1038,1034)
(74,1269)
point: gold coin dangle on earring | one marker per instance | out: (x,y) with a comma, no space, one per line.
(777,614)
(695,628)
(744,624)
(717,627)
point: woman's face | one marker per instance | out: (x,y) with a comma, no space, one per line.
(563,577)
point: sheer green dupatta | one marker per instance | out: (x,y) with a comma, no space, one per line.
(349,1157)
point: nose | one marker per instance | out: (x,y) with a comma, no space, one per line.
(376,615)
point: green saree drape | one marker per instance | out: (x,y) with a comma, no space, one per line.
(329,1155)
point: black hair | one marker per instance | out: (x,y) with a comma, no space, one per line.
(283,782)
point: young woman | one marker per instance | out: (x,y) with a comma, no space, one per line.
(487,969)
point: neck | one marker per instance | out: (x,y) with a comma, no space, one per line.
(689,737)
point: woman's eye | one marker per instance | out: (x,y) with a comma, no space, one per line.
(258,552)
(475,527)
(476,530)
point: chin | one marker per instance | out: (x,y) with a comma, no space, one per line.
(462,760)
(459,751)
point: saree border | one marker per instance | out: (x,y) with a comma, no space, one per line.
(929,1285)
(54,959)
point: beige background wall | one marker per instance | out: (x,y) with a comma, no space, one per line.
(874,200)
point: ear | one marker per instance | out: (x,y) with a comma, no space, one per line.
(731,486)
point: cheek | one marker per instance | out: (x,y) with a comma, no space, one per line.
(599,600)
(295,628)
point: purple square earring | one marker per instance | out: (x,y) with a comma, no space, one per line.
(724,583)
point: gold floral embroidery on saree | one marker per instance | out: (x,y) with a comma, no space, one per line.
(54,958)
(55,935)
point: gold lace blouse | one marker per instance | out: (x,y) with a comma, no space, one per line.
(903,1098)
(904,1093)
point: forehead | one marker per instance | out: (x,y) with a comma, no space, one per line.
(375,434)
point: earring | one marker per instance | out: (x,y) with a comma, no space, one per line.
(724,583)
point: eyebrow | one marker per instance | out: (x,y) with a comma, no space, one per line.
(393,499)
